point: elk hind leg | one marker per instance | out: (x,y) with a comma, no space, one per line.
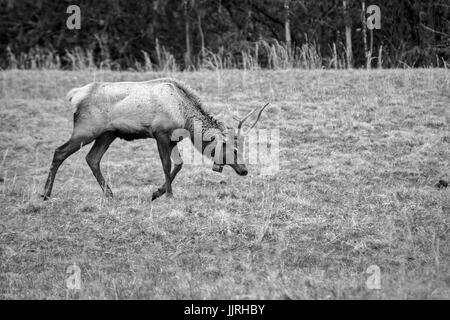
(61,154)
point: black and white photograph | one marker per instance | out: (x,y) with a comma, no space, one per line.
(230,151)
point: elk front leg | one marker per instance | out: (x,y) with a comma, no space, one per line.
(178,164)
(164,148)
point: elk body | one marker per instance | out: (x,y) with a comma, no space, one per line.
(139,110)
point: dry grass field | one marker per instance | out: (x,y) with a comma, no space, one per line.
(361,153)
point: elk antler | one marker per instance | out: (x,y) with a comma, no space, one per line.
(241,122)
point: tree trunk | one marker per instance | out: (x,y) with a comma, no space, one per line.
(202,36)
(188,53)
(248,18)
(367,52)
(380,57)
(348,36)
(335,56)
(287,27)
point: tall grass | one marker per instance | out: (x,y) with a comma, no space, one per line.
(272,55)
(165,61)
(267,54)
(80,59)
(85,59)
(261,54)
(35,58)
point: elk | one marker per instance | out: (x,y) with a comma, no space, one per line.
(139,110)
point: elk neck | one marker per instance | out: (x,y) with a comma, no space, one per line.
(202,125)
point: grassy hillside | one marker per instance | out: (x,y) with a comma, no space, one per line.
(360,155)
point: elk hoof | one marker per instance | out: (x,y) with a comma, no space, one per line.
(156,195)
(44,197)
(109,195)
(441,184)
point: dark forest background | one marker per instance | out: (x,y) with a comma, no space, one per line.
(194,34)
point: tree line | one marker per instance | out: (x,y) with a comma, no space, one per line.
(194,34)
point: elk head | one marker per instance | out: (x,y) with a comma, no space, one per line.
(230,147)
